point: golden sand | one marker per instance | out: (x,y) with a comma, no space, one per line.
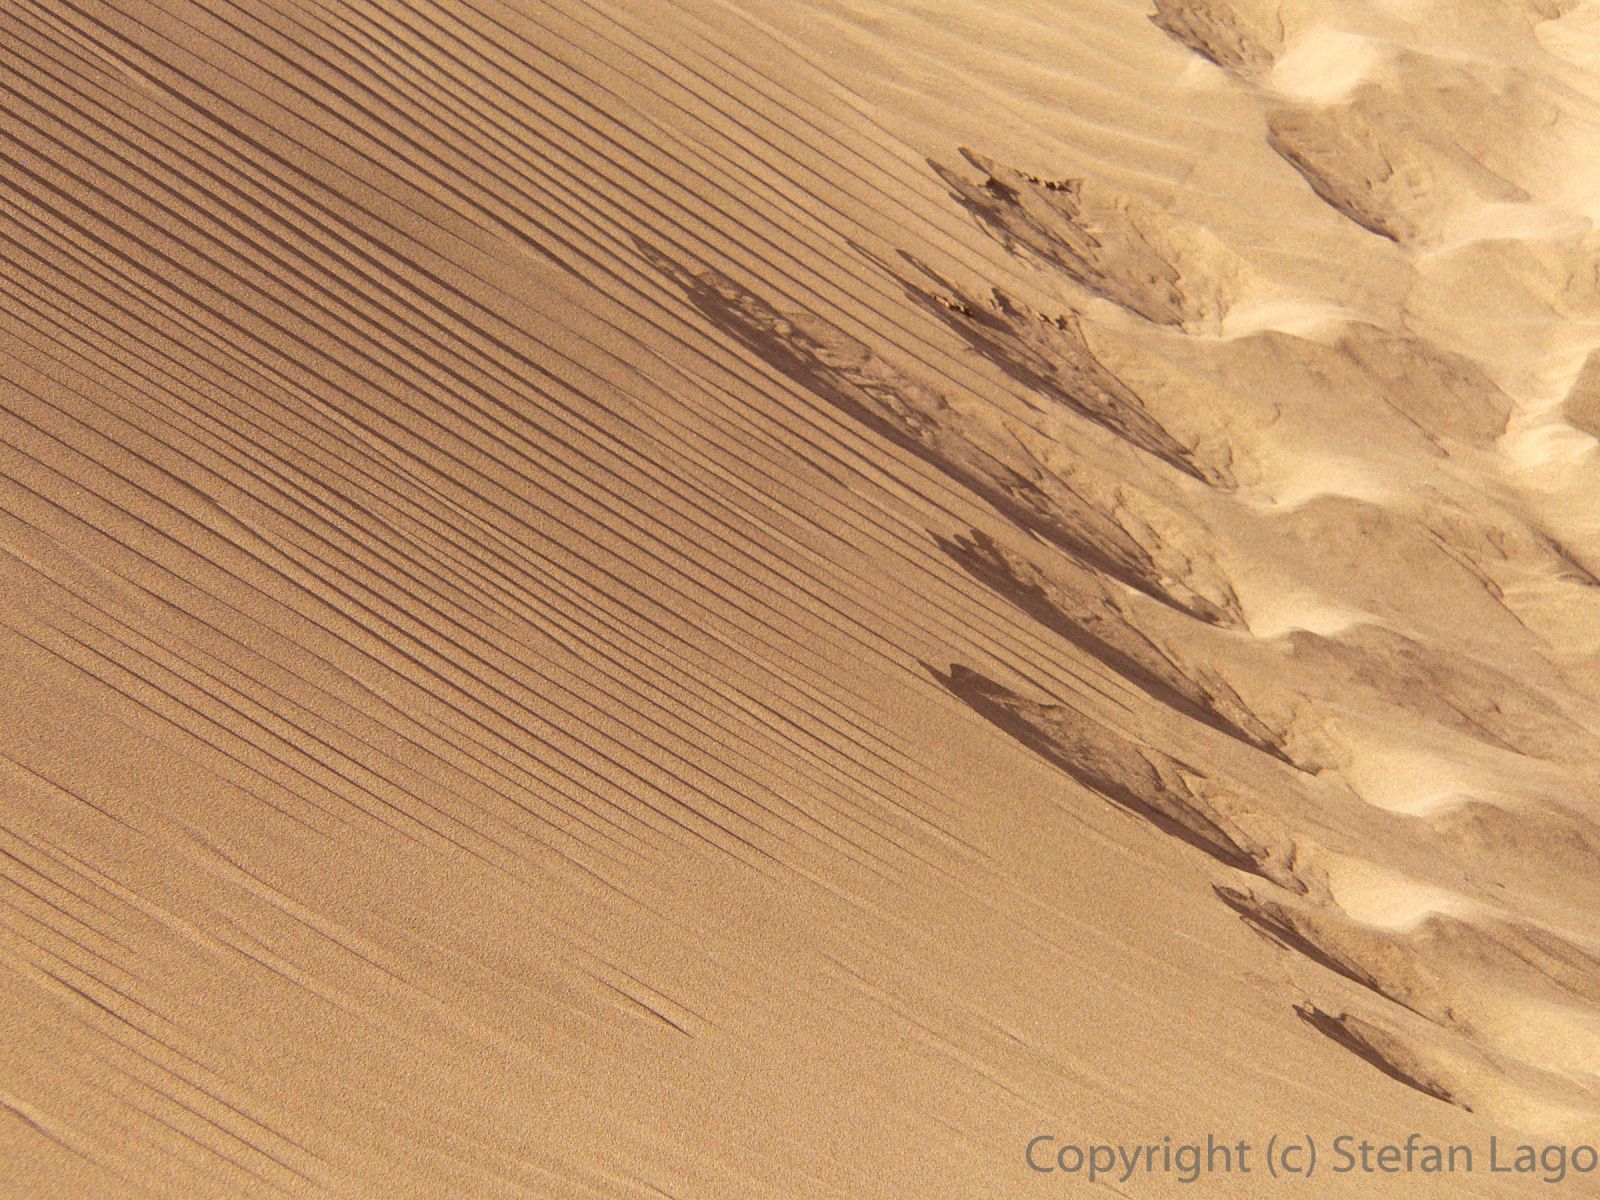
(781,598)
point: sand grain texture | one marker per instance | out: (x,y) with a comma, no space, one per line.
(713,600)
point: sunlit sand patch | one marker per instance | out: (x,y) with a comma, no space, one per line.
(1557,467)
(1301,316)
(1544,450)
(1325,65)
(1541,440)
(1272,613)
(1288,483)
(1490,220)
(1560,1037)
(1409,781)
(1574,36)
(1383,899)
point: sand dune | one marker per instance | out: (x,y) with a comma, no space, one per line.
(728,600)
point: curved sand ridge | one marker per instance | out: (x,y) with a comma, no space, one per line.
(773,599)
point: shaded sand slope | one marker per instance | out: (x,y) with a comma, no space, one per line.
(709,600)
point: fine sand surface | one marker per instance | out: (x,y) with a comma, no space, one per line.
(724,599)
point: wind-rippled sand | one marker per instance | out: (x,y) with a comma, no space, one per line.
(766,599)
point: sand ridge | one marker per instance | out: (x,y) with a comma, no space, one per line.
(624,599)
